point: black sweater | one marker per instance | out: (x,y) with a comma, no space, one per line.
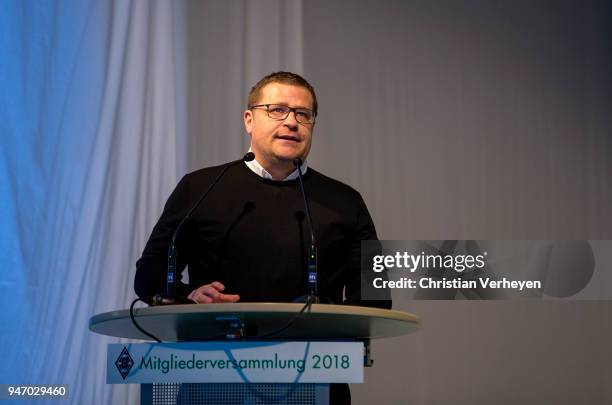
(251,234)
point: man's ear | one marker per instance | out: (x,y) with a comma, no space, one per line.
(248,120)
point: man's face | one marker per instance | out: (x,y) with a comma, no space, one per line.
(278,142)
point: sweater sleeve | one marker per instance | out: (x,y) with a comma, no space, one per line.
(151,268)
(364,230)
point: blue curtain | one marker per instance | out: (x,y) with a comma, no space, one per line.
(88,156)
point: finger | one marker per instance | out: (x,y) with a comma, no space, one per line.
(217,286)
(227,298)
(209,291)
(203,299)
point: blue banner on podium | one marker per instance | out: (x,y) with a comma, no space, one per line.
(235,362)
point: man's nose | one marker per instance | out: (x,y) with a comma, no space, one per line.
(290,122)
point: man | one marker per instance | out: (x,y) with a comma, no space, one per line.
(248,240)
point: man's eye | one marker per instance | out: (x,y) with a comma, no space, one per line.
(304,114)
(278,109)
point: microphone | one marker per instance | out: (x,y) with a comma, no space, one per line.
(312,266)
(170,297)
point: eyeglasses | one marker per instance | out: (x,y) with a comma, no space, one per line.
(280,112)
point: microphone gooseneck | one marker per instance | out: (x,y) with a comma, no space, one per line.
(170,297)
(312,265)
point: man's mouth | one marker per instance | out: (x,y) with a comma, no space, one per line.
(288,138)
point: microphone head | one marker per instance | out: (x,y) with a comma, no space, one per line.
(248,157)
(297,162)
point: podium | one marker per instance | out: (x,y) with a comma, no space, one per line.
(256,326)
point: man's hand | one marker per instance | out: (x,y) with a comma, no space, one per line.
(211,293)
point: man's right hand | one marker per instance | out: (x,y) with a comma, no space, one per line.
(212,293)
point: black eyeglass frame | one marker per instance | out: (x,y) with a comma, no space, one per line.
(291,110)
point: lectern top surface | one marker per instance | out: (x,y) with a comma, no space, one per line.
(214,321)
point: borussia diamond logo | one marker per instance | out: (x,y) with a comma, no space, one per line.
(124,362)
